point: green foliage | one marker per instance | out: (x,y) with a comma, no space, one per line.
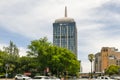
(2,59)
(9,60)
(16,64)
(41,55)
(27,64)
(91,57)
(12,49)
(57,59)
(113,69)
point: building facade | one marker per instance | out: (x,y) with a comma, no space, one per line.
(108,56)
(65,33)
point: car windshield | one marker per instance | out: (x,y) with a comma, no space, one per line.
(19,75)
(24,76)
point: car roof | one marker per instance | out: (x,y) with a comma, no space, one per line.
(18,74)
(41,76)
(35,77)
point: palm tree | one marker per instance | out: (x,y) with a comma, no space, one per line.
(91,59)
(12,49)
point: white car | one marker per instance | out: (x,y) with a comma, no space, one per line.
(41,78)
(45,78)
(116,77)
(22,77)
(104,78)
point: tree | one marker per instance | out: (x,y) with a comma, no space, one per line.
(58,60)
(91,59)
(7,64)
(38,49)
(12,49)
(112,69)
(27,64)
(2,61)
(64,61)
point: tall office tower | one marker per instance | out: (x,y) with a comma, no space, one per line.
(65,33)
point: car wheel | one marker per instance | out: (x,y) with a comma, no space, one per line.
(16,79)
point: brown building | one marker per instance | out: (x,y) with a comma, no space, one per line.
(108,56)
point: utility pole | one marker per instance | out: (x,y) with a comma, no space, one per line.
(6,75)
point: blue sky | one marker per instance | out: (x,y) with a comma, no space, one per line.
(18,39)
(97,23)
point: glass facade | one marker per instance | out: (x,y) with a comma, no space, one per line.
(65,35)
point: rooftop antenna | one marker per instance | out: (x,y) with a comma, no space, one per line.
(65,11)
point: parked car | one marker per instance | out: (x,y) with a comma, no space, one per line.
(22,77)
(54,78)
(41,78)
(104,78)
(115,77)
(45,78)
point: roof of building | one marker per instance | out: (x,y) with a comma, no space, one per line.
(64,19)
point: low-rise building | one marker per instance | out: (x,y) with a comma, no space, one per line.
(108,56)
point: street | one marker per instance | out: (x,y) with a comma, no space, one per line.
(67,79)
(7,79)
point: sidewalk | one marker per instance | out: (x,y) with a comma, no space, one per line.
(6,79)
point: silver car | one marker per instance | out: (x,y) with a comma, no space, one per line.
(41,78)
(45,78)
(22,77)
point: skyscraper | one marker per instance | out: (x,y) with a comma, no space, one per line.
(65,33)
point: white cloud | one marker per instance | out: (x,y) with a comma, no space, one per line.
(22,51)
(2,45)
(86,66)
(29,18)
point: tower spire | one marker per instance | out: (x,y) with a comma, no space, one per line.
(65,11)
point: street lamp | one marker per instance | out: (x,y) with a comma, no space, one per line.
(6,75)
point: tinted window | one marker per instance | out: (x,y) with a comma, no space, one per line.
(19,75)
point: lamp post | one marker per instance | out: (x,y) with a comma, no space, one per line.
(6,75)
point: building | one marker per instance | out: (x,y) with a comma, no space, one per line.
(65,33)
(108,56)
